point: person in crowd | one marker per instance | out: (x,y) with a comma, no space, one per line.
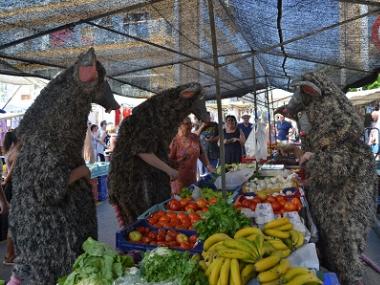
(234,139)
(209,135)
(246,126)
(103,133)
(11,148)
(97,143)
(185,149)
(283,128)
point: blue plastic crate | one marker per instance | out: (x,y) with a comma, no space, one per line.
(153,209)
(124,245)
(102,188)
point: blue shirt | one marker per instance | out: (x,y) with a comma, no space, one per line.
(283,130)
(246,130)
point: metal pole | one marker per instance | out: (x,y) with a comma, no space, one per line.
(269,116)
(218,95)
(255,105)
(274,120)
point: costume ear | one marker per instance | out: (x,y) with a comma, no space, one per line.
(191,90)
(87,72)
(309,88)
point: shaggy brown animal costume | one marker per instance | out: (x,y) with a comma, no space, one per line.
(49,218)
(341,173)
(135,185)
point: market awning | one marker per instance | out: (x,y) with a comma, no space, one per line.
(147,46)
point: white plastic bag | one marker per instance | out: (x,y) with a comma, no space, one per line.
(256,143)
(305,256)
(235,179)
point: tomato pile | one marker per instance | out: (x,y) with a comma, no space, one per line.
(166,238)
(187,204)
(168,219)
(280,204)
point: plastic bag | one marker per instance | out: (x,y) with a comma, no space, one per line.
(256,143)
(305,256)
(235,179)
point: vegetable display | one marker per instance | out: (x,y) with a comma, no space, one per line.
(220,218)
(164,264)
(98,265)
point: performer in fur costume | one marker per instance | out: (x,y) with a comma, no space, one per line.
(342,180)
(52,210)
(140,174)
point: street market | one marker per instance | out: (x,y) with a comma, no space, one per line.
(249,156)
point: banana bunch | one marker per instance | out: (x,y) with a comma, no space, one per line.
(281,236)
(281,273)
(231,260)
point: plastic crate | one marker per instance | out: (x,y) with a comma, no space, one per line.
(153,209)
(123,245)
(102,188)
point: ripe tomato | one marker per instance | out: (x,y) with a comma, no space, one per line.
(253,205)
(281,200)
(201,203)
(152,221)
(171,232)
(194,216)
(191,207)
(297,203)
(152,236)
(184,202)
(271,199)
(169,238)
(246,203)
(172,244)
(159,213)
(213,200)
(160,237)
(174,205)
(257,200)
(289,207)
(204,209)
(193,239)
(171,215)
(275,206)
(164,219)
(141,230)
(146,240)
(181,216)
(185,245)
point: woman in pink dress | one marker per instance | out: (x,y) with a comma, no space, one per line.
(185,149)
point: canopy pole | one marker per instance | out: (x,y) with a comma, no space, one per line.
(274,121)
(218,95)
(268,105)
(255,105)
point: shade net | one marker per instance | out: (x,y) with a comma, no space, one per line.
(148,46)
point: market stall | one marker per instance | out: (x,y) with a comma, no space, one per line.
(262,234)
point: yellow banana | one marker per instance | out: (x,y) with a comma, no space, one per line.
(277,244)
(214,239)
(238,244)
(308,278)
(203,265)
(225,272)
(293,272)
(215,246)
(247,273)
(209,268)
(250,247)
(267,276)
(286,227)
(283,267)
(214,274)
(301,239)
(274,282)
(234,253)
(251,237)
(277,233)
(283,253)
(267,263)
(247,232)
(235,272)
(276,223)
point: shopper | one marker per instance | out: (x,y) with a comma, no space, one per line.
(11,148)
(246,126)
(209,137)
(185,149)
(234,139)
(283,128)
(97,143)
